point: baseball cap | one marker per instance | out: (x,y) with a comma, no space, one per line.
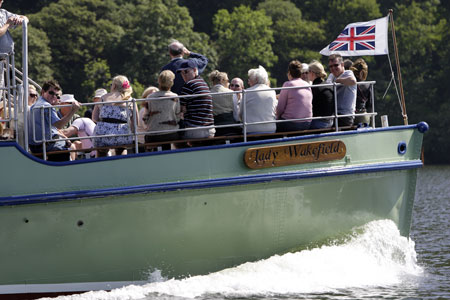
(187,64)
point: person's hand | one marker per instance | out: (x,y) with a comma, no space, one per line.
(76,105)
(186,52)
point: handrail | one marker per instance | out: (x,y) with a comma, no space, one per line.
(242,124)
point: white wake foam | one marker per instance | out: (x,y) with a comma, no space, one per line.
(379,256)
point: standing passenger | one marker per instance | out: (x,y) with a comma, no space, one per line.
(346,93)
(177,51)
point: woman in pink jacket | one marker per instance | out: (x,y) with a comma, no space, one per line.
(294,103)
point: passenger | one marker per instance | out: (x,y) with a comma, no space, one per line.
(294,103)
(198,111)
(65,100)
(346,93)
(81,127)
(260,104)
(97,95)
(237,84)
(32,95)
(363,93)
(222,104)
(348,64)
(305,71)
(143,113)
(323,97)
(7,20)
(176,52)
(49,97)
(114,118)
(163,114)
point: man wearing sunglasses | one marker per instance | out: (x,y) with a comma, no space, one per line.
(50,95)
(346,93)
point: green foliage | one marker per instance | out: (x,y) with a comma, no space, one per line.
(244,40)
(97,75)
(293,37)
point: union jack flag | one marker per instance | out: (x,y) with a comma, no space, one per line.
(355,38)
(363,38)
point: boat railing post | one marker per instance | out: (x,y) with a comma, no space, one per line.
(372,98)
(335,107)
(136,144)
(244,115)
(25,81)
(44,148)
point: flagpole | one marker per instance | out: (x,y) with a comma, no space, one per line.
(402,95)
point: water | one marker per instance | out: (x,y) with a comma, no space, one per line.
(375,263)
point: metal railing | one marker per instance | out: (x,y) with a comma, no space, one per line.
(133,115)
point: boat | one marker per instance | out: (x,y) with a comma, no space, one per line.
(104,223)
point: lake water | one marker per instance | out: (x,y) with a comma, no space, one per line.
(375,264)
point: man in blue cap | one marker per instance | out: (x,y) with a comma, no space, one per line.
(177,51)
(198,111)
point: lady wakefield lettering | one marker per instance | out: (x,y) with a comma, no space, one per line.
(275,156)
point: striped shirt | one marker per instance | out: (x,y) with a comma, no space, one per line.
(199,110)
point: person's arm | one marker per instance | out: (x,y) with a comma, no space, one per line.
(96,113)
(201,60)
(62,122)
(347,78)
(12,21)
(282,102)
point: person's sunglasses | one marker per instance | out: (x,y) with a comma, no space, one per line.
(33,95)
(234,85)
(305,73)
(54,94)
(333,66)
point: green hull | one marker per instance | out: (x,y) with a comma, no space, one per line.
(191,212)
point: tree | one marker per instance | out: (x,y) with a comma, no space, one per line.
(244,40)
(39,54)
(77,36)
(142,51)
(425,61)
(295,38)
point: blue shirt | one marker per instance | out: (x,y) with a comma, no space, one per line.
(49,115)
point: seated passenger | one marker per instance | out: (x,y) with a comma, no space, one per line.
(363,92)
(236,85)
(323,97)
(222,104)
(163,114)
(114,118)
(143,113)
(82,127)
(294,103)
(259,104)
(198,110)
(52,122)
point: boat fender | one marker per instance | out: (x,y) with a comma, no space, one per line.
(401,148)
(423,127)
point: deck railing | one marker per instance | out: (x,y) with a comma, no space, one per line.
(14,97)
(243,124)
